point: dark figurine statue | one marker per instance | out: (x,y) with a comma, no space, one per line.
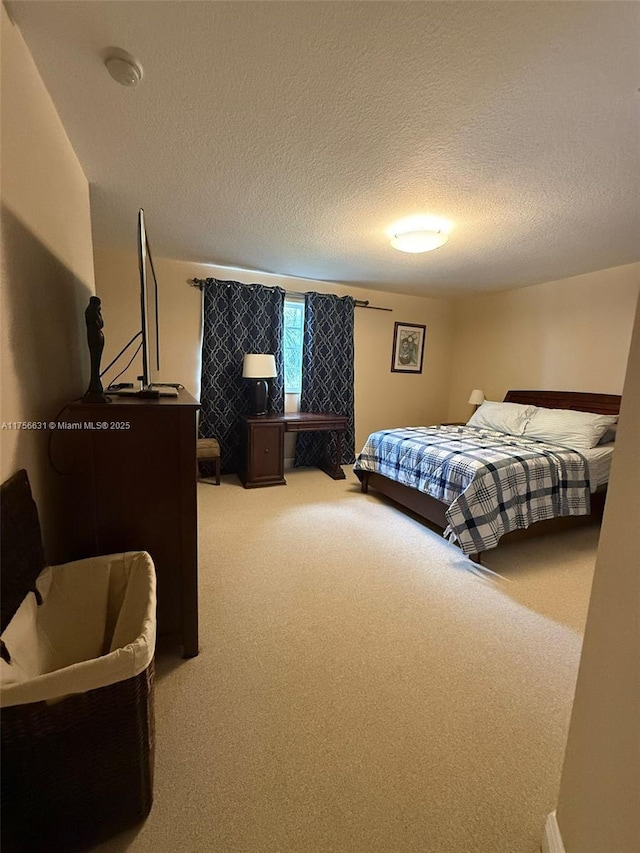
(95,339)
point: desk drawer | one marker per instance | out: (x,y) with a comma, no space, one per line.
(324,425)
(264,460)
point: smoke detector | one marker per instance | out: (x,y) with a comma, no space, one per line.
(123,67)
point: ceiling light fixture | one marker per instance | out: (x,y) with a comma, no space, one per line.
(418,241)
(419,234)
(123,67)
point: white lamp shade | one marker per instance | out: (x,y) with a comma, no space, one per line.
(477,397)
(258,366)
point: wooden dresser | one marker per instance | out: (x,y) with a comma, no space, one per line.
(133,475)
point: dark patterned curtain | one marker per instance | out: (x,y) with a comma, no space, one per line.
(238,318)
(327,372)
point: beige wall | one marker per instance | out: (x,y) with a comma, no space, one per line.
(568,335)
(47,270)
(571,334)
(599,805)
(382,399)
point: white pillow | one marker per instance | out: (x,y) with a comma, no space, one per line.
(578,430)
(503,417)
(609,435)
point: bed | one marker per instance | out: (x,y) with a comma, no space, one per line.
(584,472)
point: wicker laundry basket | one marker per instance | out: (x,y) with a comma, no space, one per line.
(77,739)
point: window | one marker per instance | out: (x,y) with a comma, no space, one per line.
(293,328)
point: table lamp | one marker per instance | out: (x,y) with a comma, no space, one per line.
(259,367)
(477,398)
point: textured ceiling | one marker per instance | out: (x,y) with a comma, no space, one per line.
(287,136)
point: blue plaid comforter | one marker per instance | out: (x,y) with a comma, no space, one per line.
(493,482)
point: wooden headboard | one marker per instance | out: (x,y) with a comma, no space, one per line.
(581,401)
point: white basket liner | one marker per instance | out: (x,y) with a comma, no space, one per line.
(95,627)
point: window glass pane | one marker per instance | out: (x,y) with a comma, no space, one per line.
(293,326)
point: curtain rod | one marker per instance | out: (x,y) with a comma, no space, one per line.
(359,303)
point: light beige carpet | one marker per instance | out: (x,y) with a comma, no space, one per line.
(362,687)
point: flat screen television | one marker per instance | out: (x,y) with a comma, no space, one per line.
(148,309)
(150,386)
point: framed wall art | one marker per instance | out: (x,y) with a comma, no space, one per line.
(408,348)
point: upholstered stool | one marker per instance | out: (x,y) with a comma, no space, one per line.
(208,450)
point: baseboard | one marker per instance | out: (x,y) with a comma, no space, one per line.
(288,463)
(552,839)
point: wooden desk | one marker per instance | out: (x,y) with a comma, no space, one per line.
(263,442)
